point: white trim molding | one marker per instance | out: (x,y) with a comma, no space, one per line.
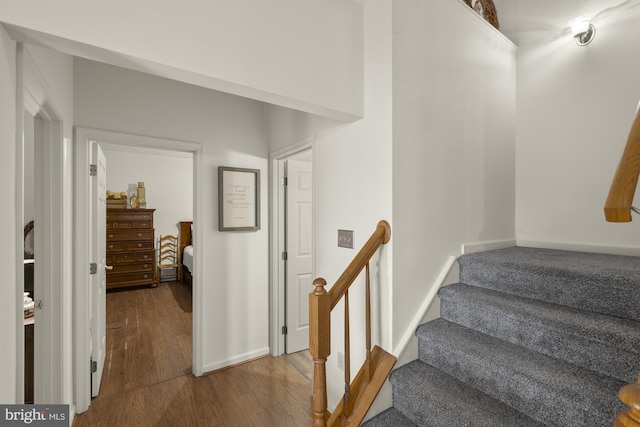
(581,247)
(440,281)
(276,197)
(471,248)
(243,358)
(83,137)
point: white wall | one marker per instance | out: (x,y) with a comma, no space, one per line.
(352,168)
(8,253)
(453,143)
(300,54)
(167,177)
(575,109)
(232,132)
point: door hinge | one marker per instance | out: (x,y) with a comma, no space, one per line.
(284,256)
(285,181)
(93,170)
(94,366)
(93,268)
(284,330)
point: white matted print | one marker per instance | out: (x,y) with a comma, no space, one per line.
(238,199)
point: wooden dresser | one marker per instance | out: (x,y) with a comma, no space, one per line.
(130,248)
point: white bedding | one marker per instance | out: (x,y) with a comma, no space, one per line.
(187,258)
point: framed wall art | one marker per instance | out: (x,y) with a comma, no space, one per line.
(238,199)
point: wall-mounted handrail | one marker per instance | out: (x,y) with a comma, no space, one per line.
(381,236)
(623,187)
(360,393)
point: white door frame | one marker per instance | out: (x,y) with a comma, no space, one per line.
(35,97)
(278,244)
(83,136)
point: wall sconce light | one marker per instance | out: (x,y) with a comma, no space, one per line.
(582,30)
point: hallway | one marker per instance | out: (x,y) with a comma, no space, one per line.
(147,377)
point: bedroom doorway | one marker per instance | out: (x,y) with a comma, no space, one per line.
(138,159)
(44,209)
(294,252)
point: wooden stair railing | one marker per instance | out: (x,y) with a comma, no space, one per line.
(359,394)
(630,396)
(623,187)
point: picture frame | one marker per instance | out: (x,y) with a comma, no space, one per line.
(238,199)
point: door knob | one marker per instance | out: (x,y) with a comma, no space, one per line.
(108,267)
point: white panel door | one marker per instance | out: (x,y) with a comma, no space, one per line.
(299,254)
(98,280)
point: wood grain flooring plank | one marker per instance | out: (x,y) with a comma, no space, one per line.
(147,378)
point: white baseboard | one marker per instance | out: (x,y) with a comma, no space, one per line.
(426,303)
(470,248)
(581,247)
(208,367)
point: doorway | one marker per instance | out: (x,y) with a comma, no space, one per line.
(40,375)
(131,144)
(294,251)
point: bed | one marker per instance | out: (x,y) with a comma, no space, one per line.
(186,252)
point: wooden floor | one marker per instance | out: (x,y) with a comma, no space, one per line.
(147,378)
(303,362)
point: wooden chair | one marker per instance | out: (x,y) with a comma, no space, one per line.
(168,258)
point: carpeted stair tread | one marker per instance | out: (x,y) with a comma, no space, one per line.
(546,389)
(389,418)
(601,283)
(430,397)
(605,344)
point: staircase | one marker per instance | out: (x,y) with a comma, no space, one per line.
(529,337)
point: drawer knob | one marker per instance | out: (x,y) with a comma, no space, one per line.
(146,265)
(146,256)
(110,246)
(139,234)
(139,245)
(111,236)
(145,276)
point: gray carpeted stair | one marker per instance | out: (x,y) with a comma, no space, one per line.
(529,337)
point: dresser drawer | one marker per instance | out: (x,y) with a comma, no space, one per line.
(130,268)
(136,245)
(147,256)
(124,258)
(131,216)
(127,225)
(141,277)
(130,235)
(115,246)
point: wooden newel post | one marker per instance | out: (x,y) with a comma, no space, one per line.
(320,348)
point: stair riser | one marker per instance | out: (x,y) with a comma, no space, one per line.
(431,398)
(613,296)
(540,335)
(551,394)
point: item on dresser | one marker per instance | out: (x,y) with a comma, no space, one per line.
(142,195)
(130,248)
(116,200)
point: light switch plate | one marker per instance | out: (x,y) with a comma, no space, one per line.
(345,239)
